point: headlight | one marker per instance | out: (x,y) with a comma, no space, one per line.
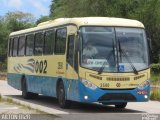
(143,85)
(88,84)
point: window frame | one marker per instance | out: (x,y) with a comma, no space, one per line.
(13,46)
(56,41)
(26,43)
(37,32)
(73,57)
(19,44)
(45,32)
(10,44)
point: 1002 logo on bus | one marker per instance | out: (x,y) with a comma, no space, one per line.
(41,66)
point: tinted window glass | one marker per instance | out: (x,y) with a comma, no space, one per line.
(38,44)
(10,47)
(98,48)
(133,48)
(15,45)
(29,44)
(70,51)
(49,42)
(60,41)
(21,47)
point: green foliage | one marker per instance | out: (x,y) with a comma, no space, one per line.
(155,68)
(155,74)
(42,19)
(12,21)
(19,20)
(155,94)
(155,79)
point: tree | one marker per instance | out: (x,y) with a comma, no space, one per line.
(11,22)
(19,20)
(42,19)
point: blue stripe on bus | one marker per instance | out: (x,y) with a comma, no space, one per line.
(75,90)
(45,85)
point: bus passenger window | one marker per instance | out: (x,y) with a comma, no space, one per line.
(49,42)
(21,46)
(29,44)
(10,46)
(38,49)
(15,45)
(60,44)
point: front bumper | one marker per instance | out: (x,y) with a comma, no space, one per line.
(109,96)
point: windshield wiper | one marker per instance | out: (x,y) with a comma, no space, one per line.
(127,58)
(107,58)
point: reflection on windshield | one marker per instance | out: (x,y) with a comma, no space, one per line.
(100,49)
(133,43)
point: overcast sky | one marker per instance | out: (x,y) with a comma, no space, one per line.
(36,7)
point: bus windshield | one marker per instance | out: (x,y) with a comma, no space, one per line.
(115,49)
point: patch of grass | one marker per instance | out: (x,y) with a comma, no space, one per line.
(10,101)
(155,94)
(155,79)
(40,113)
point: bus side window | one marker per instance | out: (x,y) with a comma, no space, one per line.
(15,45)
(10,46)
(39,40)
(70,51)
(29,44)
(21,46)
(49,42)
(60,43)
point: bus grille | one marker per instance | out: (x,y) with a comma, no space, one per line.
(117,96)
(118,79)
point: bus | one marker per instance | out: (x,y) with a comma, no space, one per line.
(100,60)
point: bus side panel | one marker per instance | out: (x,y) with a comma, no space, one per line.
(42,85)
(72,91)
(14,80)
(71,84)
(37,82)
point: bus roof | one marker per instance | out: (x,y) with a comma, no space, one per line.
(83,21)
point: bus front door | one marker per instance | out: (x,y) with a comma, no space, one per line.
(71,75)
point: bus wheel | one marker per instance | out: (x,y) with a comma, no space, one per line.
(25,93)
(121,106)
(61,96)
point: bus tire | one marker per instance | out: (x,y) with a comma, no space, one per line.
(121,106)
(25,93)
(63,103)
